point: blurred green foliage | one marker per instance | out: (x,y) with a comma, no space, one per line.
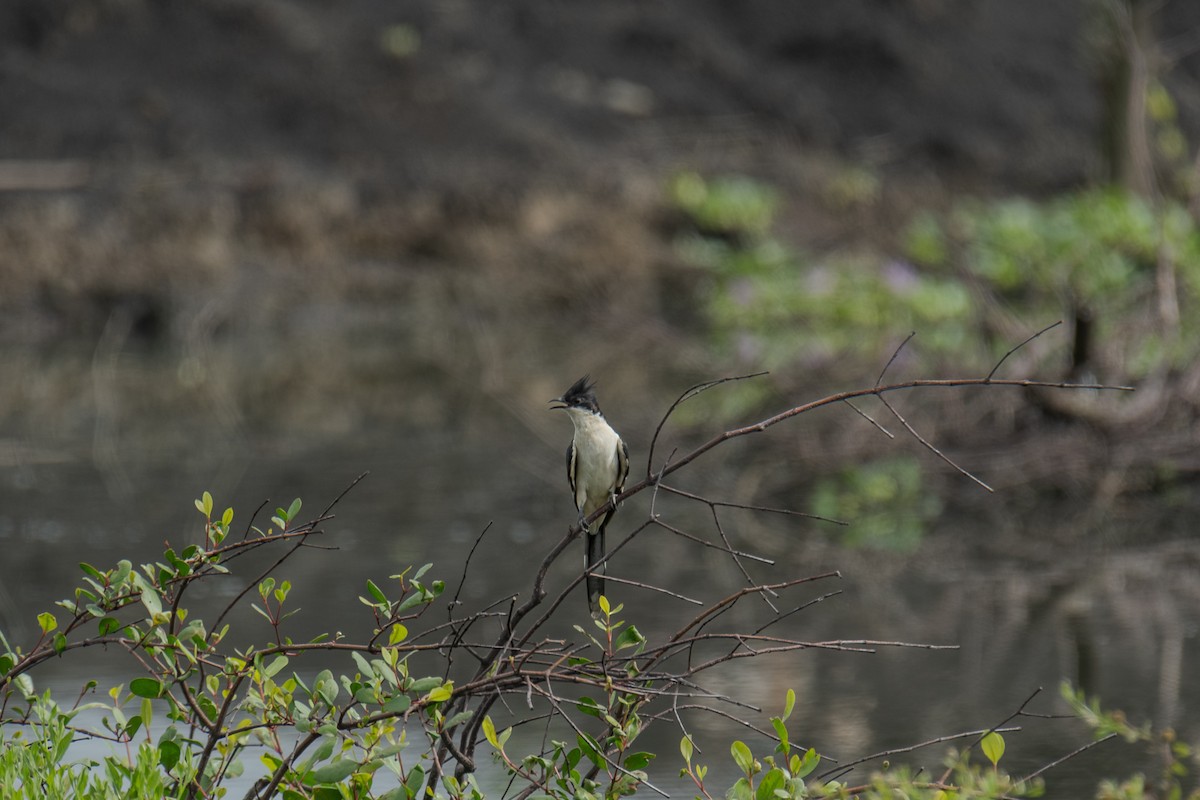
(1102,251)
(886,500)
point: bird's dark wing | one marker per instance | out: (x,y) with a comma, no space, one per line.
(619,483)
(571,468)
(622,467)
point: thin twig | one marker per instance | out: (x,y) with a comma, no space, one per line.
(1018,347)
(928,445)
(1068,756)
(895,354)
(652,588)
(870,419)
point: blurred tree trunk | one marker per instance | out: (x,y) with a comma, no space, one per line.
(1129,72)
(1127,69)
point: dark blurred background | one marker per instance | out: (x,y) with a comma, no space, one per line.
(260,247)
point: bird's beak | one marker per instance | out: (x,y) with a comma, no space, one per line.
(557,403)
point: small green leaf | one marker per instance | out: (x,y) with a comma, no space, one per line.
(151,600)
(589,706)
(168,754)
(47,622)
(458,719)
(364,667)
(441,693)
(782,732)
(376,592)
(629,637)
(146,687)
(636,761)
(294,508)
(489,732)
(742,757)
(424,684)
(772,781)
(993,747)
(810,761)
(60,643)
(686,748)
(397,634)
(277,664)
(789,704)
(398,704)
(603,602)
(336,770)
(740,790)
(90,570)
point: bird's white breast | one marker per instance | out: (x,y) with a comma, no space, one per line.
(595,460)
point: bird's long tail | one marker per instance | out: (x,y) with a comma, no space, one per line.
(594,557)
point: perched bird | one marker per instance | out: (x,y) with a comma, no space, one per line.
(597,463)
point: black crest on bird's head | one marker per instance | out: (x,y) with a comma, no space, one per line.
(582,395)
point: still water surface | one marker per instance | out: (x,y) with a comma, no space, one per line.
(1124,624)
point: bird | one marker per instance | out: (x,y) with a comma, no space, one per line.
(597,464)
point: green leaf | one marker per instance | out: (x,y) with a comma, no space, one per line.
(589,706)
(458,719)
(60,643)
(151,600)
(775,779)
(636,761)
(630,637)
(47,622)
(168,754)
(686,748)
(398,704)
(146,687)
(591,749)
(742,757)
(277,664)
(424,684)
(789,704)
(294,508)
(336,770)
(132,726)
(993,747)
(441,693)
(364,666)
(740,790)
(90,570)
(782,732)
(807,764)
(489,732)
(397,634)
(376,592)
(109,625)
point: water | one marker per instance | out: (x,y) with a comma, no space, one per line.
(102,457)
